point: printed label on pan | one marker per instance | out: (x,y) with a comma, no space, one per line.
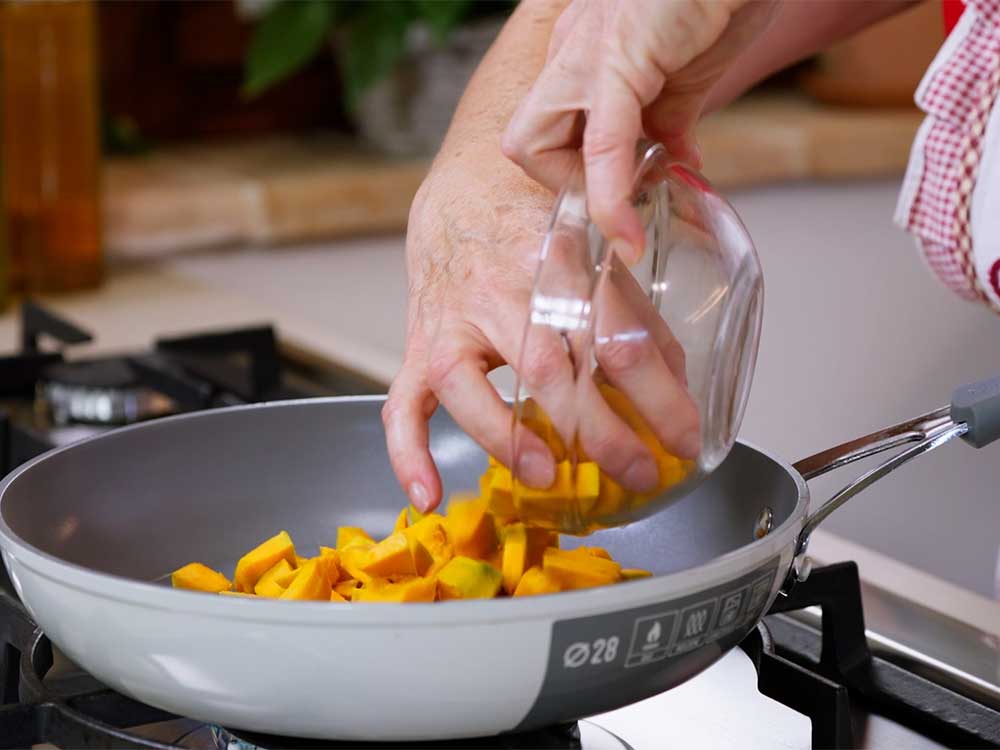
(639,652)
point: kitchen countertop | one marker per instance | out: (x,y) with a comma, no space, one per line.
(318,186)
(345,303)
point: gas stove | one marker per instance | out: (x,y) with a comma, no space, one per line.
(49,397)
(811,675)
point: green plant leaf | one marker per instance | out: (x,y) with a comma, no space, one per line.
(442,15)
(374,42)
(285,40)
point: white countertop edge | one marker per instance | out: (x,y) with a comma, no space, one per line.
(909,583)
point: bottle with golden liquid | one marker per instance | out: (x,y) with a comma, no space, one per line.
(51,144)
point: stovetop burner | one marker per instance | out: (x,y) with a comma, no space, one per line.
(581,735)
(100,391)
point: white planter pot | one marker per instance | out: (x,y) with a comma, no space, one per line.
(408,112)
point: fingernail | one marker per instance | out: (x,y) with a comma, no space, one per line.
(690,445)
(536,470)
(641,475)
(419,497)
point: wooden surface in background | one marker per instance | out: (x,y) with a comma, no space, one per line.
(293,188)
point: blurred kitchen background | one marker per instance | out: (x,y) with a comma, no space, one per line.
(174,167)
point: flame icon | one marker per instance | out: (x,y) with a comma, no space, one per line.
(653,636)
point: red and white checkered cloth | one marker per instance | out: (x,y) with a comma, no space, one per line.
(957,93)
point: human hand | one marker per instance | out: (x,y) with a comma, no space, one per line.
(617,70)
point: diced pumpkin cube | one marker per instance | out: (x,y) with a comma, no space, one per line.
(331,558)
(612,498)
(536,581)
(413,515)
(335,597)
(548,507)
(499,494)
(347,534)
(402,520)
(280,573)
(416,589)
(575,571)
(631,574)
(587,485)
(347,588)
(353,557)
(470,528)
(398,555)
(594,552)
(465,578)
(300,560)
(269,589)
(239,593)
(523,548)
(265,555)
(430,532)
(197,577)
(311,583)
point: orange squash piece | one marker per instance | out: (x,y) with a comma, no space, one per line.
(576,571)
(197,577)
(470,528)
(402,520)
(347,534)
(465,578)
(398,555)
(523,548)
(265,555)
(331,558)
(311,583)
(335,597)
(536,581)
(347,588)
(416,589)
(353,557)
(268,589)
(280,573)
(498,493)
(632,574)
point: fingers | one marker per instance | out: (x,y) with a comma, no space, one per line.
(458,376)
(543,139)
(405,414)
(614,125)
(631,359)
(635,298)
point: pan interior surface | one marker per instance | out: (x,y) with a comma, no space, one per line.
(143,501)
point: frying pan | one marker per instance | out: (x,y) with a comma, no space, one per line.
(90,531)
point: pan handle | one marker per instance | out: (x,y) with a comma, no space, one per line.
(973,415)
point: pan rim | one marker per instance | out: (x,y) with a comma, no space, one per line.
(374,614)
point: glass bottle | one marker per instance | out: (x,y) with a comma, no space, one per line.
(51,144)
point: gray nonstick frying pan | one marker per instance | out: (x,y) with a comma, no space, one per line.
(89,531)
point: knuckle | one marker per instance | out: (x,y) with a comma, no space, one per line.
(440,369)
(512,144)
(620,355)
(612,448)
(600,144)
(543,366)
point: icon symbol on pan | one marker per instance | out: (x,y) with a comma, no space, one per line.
(653,637)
